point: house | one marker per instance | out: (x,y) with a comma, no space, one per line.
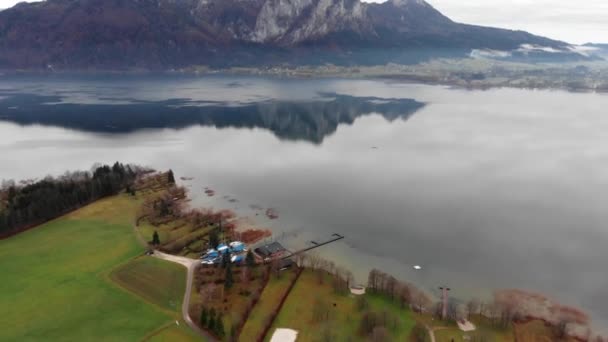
(271,250)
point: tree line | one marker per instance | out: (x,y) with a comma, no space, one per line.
(404,293)
(31,203)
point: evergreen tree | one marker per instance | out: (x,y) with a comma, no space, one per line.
(229,277)
(40,201)
(233,335)
(211,323)
(214,239)
(250,259)
(225,260)
(170,177)
(155,239)
(219,327)
(204,317)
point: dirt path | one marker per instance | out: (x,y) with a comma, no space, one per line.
(190,265)
(431,333)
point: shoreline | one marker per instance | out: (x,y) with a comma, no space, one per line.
(463,74)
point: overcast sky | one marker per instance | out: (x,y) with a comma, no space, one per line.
(575,21)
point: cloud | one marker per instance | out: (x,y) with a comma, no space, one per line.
(572,21)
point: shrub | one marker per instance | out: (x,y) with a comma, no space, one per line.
(419,333)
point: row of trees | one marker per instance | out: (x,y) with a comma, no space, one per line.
(342,279)
(212,322)
(403,292)
(506,307)
(26,205)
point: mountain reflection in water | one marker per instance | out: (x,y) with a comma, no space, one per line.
(309,120)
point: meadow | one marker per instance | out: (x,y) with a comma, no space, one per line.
(320,313)
(269,302)
(56,279)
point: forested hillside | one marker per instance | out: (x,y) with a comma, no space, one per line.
(31,203)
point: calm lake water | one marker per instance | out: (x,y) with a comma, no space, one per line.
(484,189)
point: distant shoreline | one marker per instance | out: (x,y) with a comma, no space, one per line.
(468,73)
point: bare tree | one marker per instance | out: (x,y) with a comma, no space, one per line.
(391,285)
(472,307)
(301,259)
(567,318)
(403,293)
(350,278)
(314,260)
(372,280)
(420,301)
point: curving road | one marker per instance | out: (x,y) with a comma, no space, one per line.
(190,265)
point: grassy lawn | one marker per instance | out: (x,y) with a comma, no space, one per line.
(448,335)
(403,330)
(157,281)
(342,323)
(174,333)
(485,331)
(55,279)
(297,313)
(268,303)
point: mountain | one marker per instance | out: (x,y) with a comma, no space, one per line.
(164,34)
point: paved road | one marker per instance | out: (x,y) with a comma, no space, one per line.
(190,265)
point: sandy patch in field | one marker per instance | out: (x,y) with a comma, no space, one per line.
(284,335)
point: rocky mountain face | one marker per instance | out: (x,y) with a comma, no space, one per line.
(161,34)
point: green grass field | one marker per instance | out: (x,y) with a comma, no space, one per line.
(404,328)
(173,333)
(269,301)
(56,285)
(484,331)
(297,313)
(157,281)
(343,319)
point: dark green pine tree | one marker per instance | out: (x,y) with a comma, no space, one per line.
(225,260)
(155,239)
(219,327)
(229,277)
(204,318)
(214,239)
(170,177)
(250,259)
(211,322)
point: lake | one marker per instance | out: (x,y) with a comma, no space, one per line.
(490,189)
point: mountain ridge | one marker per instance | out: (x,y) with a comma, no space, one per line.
(164,34)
